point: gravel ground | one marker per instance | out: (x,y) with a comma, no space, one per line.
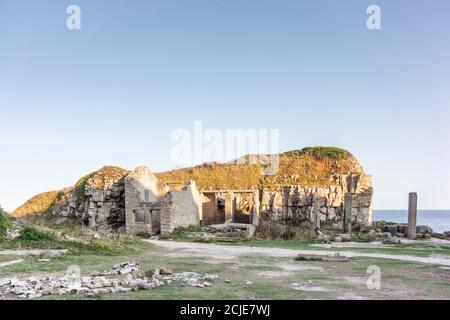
(220,252)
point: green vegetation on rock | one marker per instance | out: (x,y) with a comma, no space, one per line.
(80,189)
(321,153)
(5,223)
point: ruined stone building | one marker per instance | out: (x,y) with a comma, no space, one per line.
(155,208)
(116,200)
(138,204)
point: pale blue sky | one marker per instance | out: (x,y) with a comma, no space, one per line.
(112,92)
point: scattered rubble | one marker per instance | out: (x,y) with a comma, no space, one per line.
(122,268)
(345,237)
(392,240)
(401,230)
(322,238)
(131,278)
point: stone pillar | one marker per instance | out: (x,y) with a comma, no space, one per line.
(348,212)
(255,209)
(316,212)
(412,215)
(228,207)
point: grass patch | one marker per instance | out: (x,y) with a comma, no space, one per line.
(183,233)
(30,238)
(303,258)
(28,234)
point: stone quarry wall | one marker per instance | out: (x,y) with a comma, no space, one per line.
(296,203)
(181,208)
(100,209)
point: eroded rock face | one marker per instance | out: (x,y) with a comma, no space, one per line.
(98,201)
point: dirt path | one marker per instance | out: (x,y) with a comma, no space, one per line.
(229,251)
(9,263)
(380,245)
(50,253)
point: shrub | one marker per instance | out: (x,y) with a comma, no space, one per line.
(144,235)
(321,153)
(274,230)
(30,234)
(5,223)
(184,231)
(327,152)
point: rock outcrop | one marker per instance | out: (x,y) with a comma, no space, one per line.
(309,185)
(98,200)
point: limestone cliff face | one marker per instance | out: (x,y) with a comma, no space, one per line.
(101,209)
(98,200)
(296,203)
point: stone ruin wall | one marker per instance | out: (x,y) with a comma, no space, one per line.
(246,207)
(223,206)
(296,203)
(181,208)
(142,204)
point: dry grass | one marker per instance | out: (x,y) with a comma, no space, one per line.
(307,170)
(312,167)
(40,203)
(216,176)
(43,202)
(103,178)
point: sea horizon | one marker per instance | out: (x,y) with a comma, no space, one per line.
(438,220)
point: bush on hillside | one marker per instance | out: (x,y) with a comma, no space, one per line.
(30,234)
(321,153)
(5,223)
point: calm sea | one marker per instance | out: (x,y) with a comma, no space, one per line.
(439,220)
